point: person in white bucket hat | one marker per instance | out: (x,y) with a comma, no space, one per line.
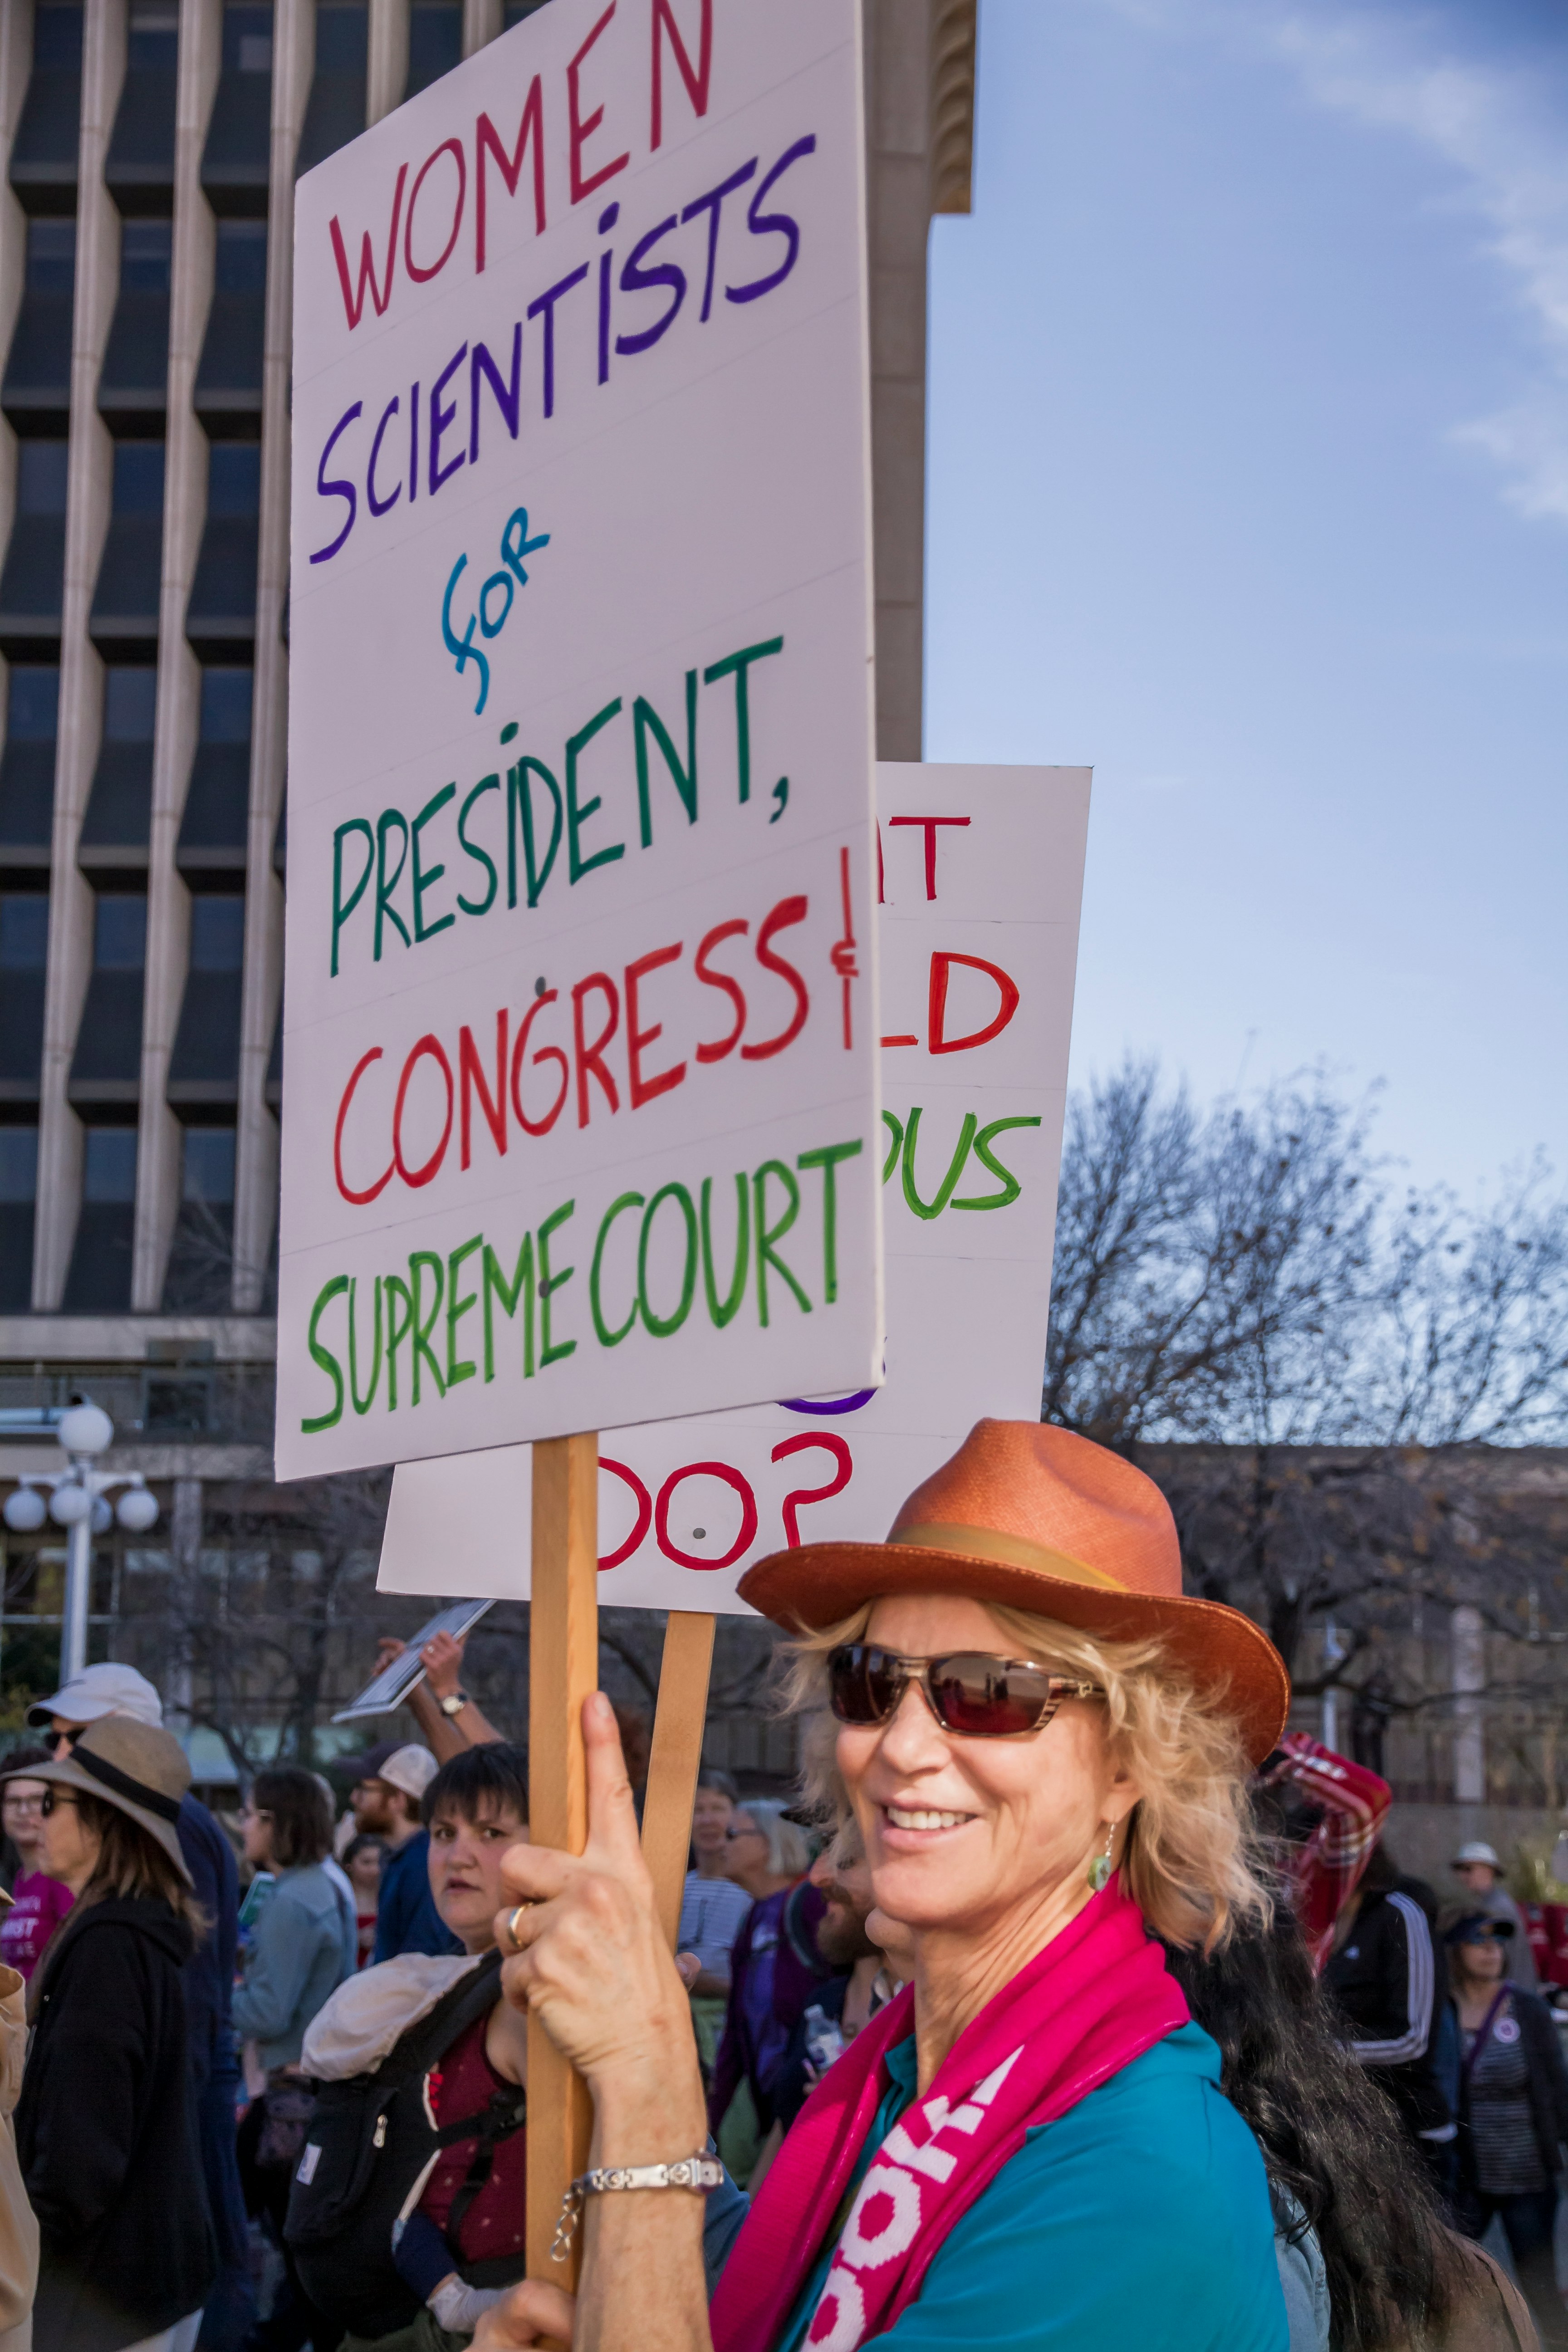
(1479,1873)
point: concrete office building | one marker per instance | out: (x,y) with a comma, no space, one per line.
(148,155)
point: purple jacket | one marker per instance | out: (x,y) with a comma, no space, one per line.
(774,1968)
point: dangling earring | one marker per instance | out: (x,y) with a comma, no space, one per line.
(1100,1868)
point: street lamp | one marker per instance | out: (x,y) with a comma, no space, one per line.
(78,1501)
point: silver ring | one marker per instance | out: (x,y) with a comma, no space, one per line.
(511,1920)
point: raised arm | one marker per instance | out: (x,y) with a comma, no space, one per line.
(596,1971)
(445,1735)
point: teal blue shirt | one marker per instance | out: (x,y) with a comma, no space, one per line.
(1141,2217)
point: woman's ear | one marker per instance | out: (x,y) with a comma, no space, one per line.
(1122,1794)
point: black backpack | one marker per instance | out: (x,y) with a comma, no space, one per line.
(369,2138)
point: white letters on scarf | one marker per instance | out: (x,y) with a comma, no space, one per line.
(884,2218)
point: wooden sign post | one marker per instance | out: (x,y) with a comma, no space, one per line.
(676,1757)
(564,1668)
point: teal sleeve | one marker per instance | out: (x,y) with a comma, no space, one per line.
(1141,2218)
(281,1956)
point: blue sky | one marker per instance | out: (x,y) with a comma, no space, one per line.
(1248,466)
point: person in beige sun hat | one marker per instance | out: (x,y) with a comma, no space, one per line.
(105,2128)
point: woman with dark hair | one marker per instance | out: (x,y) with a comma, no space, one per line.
(455,2228)
(1513,2110)
(305,1941)
(304,1944)
(362,1859)
(1365,2259)
(105,2128)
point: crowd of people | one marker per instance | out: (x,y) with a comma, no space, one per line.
(1068,2000)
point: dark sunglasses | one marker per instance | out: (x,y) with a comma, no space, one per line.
(71,1736)
(969,1692)
(52,1800)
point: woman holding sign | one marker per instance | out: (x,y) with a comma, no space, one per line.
(1046,1747)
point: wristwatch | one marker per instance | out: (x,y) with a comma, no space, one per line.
(454,1703)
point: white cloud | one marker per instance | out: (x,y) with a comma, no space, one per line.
(1500,126)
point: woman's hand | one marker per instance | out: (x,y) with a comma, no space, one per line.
(594,1967)
(532,2314)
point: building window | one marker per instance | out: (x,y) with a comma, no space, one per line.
(36,394)
(125,603)
(203,1069)
(217,804)
(435,42)
(49,134)
(228,379)
(23,956)
(98,1281)
(237,160)
(132,387)
(107,1065)
(119,934)
(139,169)
(120,807)
(217,934)
(201,1263)
(220,620)
(18,1192)
(334,113)
(27,762)
(33,580)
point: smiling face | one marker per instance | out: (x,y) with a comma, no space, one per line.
(986,1837)
(465,1856)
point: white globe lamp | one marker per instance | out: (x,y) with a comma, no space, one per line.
(136,1510)
(85,1429)
(69,1503)
(26,1511)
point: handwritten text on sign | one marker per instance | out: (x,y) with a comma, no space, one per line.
(580,1039)
(982,873)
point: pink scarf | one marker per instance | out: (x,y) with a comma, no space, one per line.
(1080,2011)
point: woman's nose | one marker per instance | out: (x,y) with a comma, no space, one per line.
(913,1736)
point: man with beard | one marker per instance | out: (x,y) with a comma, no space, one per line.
(840,2008)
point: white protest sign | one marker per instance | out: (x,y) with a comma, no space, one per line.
(580,1056)
(983,872)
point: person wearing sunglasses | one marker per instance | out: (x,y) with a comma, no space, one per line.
(1046,1746)
(1513,2110)
(105,2126)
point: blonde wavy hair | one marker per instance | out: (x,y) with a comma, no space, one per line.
(1189,1859)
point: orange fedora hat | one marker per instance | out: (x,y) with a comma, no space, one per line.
(1040,1520)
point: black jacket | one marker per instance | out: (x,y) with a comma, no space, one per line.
(1548,2076)
(1387,1980)
(106,2133)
